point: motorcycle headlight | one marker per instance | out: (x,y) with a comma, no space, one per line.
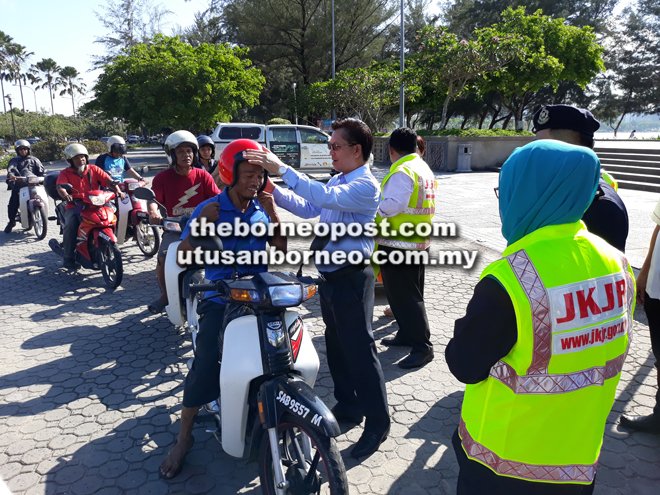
(285,295)
(97,200)
(132,186)
(34,180)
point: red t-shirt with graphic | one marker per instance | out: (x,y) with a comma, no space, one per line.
(181,194)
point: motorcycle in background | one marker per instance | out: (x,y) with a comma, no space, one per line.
(133,220)
(96,248)
(33,205)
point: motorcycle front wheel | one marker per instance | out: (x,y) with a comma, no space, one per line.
(40,222)
(111,265)
(148,239)
(311,461)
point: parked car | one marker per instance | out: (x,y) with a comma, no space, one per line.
(4,144)
(32,140)
(133,139)
(302,147)
(73,140)
(105,139)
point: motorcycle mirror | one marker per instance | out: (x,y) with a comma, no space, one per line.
(207,243)
(144,193)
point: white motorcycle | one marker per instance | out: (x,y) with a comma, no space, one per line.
(267,409)
(133,220)
(33,205)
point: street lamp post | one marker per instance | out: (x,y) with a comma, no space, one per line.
(11,110)
(295,102)
(34,93)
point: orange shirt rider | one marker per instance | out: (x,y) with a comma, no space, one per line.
(92,179)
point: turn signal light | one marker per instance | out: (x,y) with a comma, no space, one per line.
(245,295)
(309,291)
(262,417)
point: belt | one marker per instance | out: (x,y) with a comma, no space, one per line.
(342,272)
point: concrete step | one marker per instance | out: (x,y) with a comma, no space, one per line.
(623,151)
(608,162)
(636,177)
(631,157)
(617,170)
(640,186)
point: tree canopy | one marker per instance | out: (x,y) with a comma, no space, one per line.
(171,82)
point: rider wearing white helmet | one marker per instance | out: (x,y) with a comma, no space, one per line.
(114,162)
(180,189)
(22,165)
(83,178)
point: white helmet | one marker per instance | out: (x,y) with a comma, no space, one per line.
(116,144)
(175,140)
(75,149)
(22,143)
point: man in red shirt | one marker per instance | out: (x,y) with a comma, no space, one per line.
(83,178)
(180,189)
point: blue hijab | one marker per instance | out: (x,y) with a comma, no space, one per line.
(546,182)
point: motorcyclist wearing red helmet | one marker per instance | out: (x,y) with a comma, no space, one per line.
(243,199)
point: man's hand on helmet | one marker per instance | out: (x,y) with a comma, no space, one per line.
(266,158)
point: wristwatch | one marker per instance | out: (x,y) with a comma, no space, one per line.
(282,170)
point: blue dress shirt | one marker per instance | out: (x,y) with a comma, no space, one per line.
(346,198)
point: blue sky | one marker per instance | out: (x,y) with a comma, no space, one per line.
(64,30)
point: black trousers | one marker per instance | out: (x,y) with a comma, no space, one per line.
(14,202)
(347,307)
(404,287)
(72,221)
(202,383)
(652,308)
(476,479)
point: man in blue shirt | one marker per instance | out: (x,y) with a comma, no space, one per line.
(347,292)
(114,162)
(239,200)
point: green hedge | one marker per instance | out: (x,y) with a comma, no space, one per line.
(4,159)
(48,151)
(468,133)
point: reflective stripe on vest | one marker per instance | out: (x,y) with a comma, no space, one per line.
(537,380)
(540,415)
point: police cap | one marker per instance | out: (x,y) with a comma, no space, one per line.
(565,117)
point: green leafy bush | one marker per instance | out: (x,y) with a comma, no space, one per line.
(278,121)
(95,147)
(48,151)
(4,159)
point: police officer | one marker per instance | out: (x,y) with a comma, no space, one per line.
(407,196)
(22,165)
(545,335)
(114,162)
(607,216)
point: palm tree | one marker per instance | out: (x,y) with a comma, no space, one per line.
(49,69)
(72,84)
(17,59)
(5,41)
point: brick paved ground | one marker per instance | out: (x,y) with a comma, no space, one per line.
(90,385)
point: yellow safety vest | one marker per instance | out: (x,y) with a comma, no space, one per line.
(610,180)
(420,209)
(540,415)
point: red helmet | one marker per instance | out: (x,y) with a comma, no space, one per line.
(232,155)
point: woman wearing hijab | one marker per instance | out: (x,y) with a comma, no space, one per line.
(545,335)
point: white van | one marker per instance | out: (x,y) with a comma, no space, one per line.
(302,147)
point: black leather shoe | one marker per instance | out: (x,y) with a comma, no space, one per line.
(369,442)
(415,360)
(347,414)
(393,341)
(650,424)
(9,227)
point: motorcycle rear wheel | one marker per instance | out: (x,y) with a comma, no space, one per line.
(148,239)
(303,449)
(111,264)
(40,222)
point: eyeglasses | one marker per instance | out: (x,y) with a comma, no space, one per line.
(335,147)
(497,192)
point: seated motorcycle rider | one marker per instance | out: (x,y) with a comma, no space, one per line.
(114,162)
(83,177)
(22,165)
(238,200)
(207,160)
(180,189)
